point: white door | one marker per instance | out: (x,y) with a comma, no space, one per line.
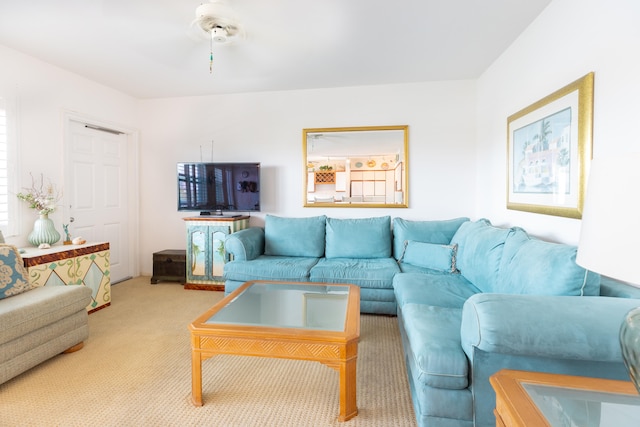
(95,196)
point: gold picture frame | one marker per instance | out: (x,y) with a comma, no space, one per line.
(549,149)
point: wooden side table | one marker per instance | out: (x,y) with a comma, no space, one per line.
(533,399)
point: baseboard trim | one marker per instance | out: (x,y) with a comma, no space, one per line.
(204,287)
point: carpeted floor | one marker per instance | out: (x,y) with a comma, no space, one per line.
(135,369)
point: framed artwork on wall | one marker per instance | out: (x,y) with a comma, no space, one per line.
(549,147)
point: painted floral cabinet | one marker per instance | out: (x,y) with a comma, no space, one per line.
(205,249)
(86,265)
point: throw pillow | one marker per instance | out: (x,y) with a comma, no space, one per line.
(437,231)
(430,255)
(359,238)
(13,275)
(303,237)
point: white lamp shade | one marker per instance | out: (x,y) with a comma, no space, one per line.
(610,234)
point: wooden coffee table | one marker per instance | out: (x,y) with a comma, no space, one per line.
(292,320)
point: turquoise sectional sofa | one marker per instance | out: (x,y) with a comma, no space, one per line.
(471,299)
(513,302)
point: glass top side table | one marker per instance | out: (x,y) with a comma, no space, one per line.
(541,399)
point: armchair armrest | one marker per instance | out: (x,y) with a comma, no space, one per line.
(556,327)
(245,245)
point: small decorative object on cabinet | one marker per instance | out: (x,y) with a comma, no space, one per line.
(67,235)
(169,266)
(205,249)
(86,265)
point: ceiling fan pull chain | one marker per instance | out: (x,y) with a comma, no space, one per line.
(211,55)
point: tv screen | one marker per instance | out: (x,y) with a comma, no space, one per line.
(216,188)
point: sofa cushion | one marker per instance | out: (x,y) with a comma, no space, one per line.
(532,266)
(442,290)
(480,247)
(366,273)
(300,237)
(423,231)
(435,347)
(13,275)
(359,238)
(430,255)
(266,267)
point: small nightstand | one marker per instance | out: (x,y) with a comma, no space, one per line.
(169,266)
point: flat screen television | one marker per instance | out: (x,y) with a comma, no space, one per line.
(219,188)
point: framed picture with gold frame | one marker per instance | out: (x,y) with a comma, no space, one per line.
(549,148)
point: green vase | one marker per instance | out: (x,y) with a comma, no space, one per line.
(43,232)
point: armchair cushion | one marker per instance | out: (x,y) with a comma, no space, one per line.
(359,238)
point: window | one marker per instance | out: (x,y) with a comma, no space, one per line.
(8,161)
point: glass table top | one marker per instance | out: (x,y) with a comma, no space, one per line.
(321,307)
(570,407)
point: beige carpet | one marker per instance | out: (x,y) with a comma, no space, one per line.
(135,370)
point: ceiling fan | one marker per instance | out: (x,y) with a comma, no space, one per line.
(218,22)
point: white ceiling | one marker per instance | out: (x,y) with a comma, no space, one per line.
(145,48)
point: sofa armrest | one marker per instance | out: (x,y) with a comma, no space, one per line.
(245,245)
(557,327)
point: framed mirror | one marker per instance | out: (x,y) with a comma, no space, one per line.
(356,166)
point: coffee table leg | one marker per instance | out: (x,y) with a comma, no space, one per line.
(348,407)
(196,378)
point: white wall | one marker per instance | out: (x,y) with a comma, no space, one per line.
(457,135)
(267,127)
(43,93)
(569,39)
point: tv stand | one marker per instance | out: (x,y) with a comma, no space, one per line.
(205,248)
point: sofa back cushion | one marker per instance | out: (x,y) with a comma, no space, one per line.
(533,267)
(302,237)
(359,237)
(480,248)
(439,232)
(14,279)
